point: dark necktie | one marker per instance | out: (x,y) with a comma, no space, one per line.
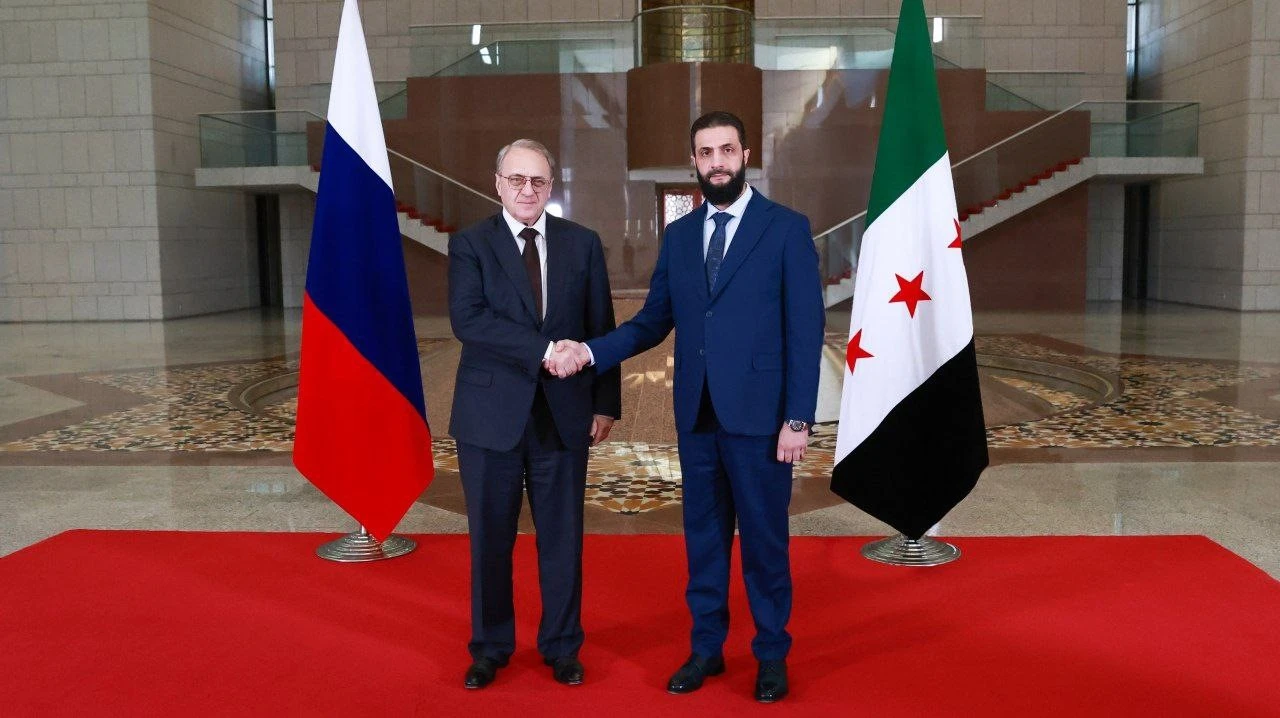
(533,265)
(715,250)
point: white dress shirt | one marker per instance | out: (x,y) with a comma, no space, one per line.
(516,226)
(731,227)
(541,226)
(708,226)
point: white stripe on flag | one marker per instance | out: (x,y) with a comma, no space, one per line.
(911,236)
(353,102)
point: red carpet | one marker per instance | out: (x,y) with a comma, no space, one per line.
(157,623)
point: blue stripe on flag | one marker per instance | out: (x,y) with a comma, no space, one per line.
(356,273)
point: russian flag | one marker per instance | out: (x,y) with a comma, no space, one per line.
(362,435)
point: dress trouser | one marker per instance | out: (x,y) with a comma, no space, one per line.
(730,477)
(493,483)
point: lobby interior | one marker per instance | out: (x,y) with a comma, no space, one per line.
(1116,215)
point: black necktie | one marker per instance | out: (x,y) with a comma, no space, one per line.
(715,250)
(533,265)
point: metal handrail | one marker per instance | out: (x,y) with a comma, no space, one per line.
(586,21)
(1177,106)
(495,44)
(668,8)
(443,176)
(1018,134)
(259,112)
(834,227)
(1027,129)
(589,21)
(1179,103)
(390,151)
(216,116)
(771,18)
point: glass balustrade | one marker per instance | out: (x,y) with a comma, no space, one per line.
(695,33)
(280,138)
(1144,129)
(435,199)
(688,33)
(593,187)
(838,250)
(858,43)
(521,48)
(1036,153)
(256,138)
(1001,99)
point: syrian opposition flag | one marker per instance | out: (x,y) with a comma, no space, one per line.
(362,435)
(911,441)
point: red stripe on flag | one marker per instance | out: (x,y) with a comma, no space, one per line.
(358,439)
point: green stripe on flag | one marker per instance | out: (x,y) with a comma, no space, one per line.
(911,136)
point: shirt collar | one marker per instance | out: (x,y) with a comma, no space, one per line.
(516,225)
(736,209)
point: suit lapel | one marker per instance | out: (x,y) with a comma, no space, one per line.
(690,257)
(504,248)
(750,229)
(558,261)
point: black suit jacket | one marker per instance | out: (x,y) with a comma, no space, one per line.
(492,310)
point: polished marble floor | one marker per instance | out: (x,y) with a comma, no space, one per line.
(1123,420)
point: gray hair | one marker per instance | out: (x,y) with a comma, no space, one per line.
(534,145)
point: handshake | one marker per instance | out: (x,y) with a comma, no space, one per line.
(568,358)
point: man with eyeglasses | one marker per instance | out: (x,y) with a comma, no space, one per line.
(737,279)
(517,280)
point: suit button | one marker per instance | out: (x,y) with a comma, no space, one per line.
(702,352)
(708,314)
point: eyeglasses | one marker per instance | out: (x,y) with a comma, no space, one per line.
(517,182)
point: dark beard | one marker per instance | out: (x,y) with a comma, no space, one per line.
(726,193)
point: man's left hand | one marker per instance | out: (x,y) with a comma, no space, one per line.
(791,445)
(600,426)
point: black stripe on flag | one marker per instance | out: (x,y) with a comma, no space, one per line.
(925,456)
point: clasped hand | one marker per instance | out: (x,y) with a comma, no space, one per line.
(568,358)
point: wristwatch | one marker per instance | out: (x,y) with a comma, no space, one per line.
(797,425)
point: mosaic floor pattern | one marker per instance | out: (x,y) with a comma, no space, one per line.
(1162,403)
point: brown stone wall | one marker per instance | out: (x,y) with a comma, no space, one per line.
(1034,261)
(817,140)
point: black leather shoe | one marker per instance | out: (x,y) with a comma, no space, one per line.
(771,681)
(690,676)
(566,670)
(481,673)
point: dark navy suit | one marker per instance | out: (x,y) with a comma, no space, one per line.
(746,359)
(518,427)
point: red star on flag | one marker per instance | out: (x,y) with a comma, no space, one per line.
(957,243)
(910,292)
(856,352)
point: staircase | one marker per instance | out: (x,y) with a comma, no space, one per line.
(1119,151)
(430,233)
(1062,177)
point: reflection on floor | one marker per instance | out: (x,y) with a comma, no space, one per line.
(1094,421)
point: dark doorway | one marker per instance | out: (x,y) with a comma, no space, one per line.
(1137,238)
(270,274)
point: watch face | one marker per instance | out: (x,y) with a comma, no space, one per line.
(796,425)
